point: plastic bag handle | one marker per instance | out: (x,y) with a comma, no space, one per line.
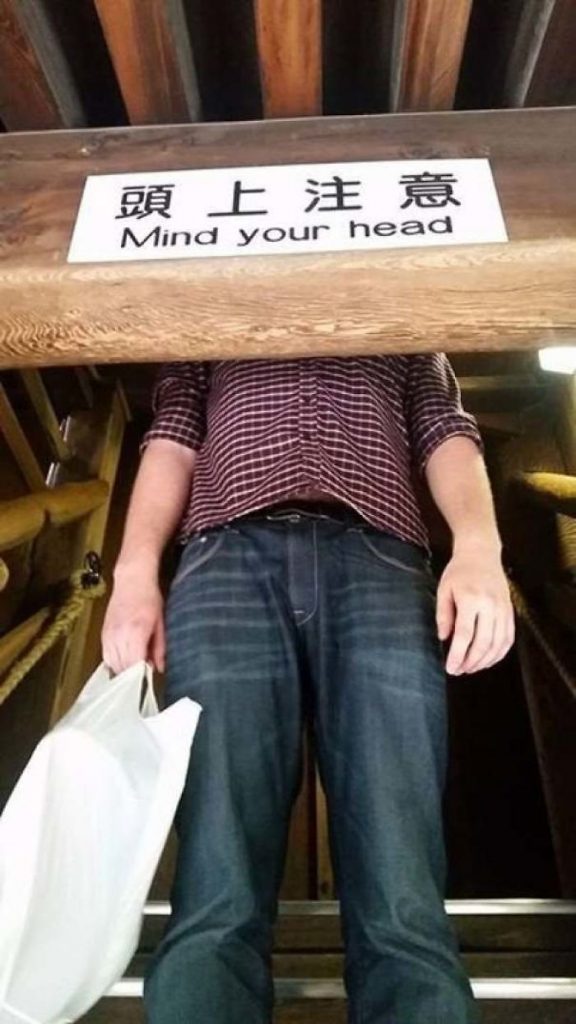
(149,703)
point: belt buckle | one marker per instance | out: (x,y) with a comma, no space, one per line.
(285,515)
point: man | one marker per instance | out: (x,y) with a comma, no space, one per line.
(305,588)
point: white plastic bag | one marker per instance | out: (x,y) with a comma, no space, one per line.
(80,841)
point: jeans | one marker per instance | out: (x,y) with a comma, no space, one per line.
(268,621)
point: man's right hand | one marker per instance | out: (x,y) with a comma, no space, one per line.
(134,624)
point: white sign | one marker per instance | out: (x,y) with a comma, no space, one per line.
(243,211)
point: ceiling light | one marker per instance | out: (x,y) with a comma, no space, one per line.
(558,360)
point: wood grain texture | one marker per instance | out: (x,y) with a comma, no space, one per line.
(429,44)
(289,36)
(36,88)
(519,295)
(150,48)
(40,399)
(21,519)
(19,445)
(542,66)
(492,30)
(14,643)
(73,668)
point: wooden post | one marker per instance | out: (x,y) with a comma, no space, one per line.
(290,55)
(475,297)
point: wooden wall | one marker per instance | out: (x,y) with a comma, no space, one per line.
(114,62)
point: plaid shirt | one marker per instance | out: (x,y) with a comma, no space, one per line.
(266,430)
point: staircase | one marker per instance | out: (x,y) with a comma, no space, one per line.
(520,954)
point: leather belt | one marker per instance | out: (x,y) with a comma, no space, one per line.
(292,511)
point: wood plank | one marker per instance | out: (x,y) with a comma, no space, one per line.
(73,670)
(542,67)
(553,714)
(289,37)
(37,90)
(18,639)
(357,53)
(300,863)
(325,877)
(516,296)
(149,44)
(493,29)
(19,445)
(40,399)
(428,48)
(556,491)
(69,502)
(21,519)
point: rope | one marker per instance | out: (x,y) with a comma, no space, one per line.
(528,617)
(84,585)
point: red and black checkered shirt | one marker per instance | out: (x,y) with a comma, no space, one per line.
(354,428)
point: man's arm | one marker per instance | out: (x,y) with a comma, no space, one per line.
(133,626)
(473,603)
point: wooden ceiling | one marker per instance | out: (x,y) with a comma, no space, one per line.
(100,63)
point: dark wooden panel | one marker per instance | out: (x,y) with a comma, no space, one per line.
(225,51)
(541,68)
(290,54)
(150,48)
(78,28)
(493,30)
(484,297)
(493,933)
(299,878)
(428,48)
(553,714)
(553,79)
(357,41)
(477,965)
(36,87)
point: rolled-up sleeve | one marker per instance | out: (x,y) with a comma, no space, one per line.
(179,405)
(434,407)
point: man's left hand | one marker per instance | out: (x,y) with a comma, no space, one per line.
(474,608)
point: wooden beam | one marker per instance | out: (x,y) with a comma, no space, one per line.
(37,90)
(150,48)
(429,43)
(14,643)
(520,295)
(40,399)
(542,66)
(72,669)
(324,872)
(19,445)
(289,39)
(21,519)
(556,491)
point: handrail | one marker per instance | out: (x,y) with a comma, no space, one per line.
(22,519)
(333,988)
(455,908)
(526,614)
(555,491)
(84,585)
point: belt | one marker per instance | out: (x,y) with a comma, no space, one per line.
(294,511)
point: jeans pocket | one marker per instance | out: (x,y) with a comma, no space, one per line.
(376,547)
(197,552)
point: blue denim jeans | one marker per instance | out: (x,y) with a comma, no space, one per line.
(270,620)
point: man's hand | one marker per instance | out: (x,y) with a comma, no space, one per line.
(134,624)
(475,608)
